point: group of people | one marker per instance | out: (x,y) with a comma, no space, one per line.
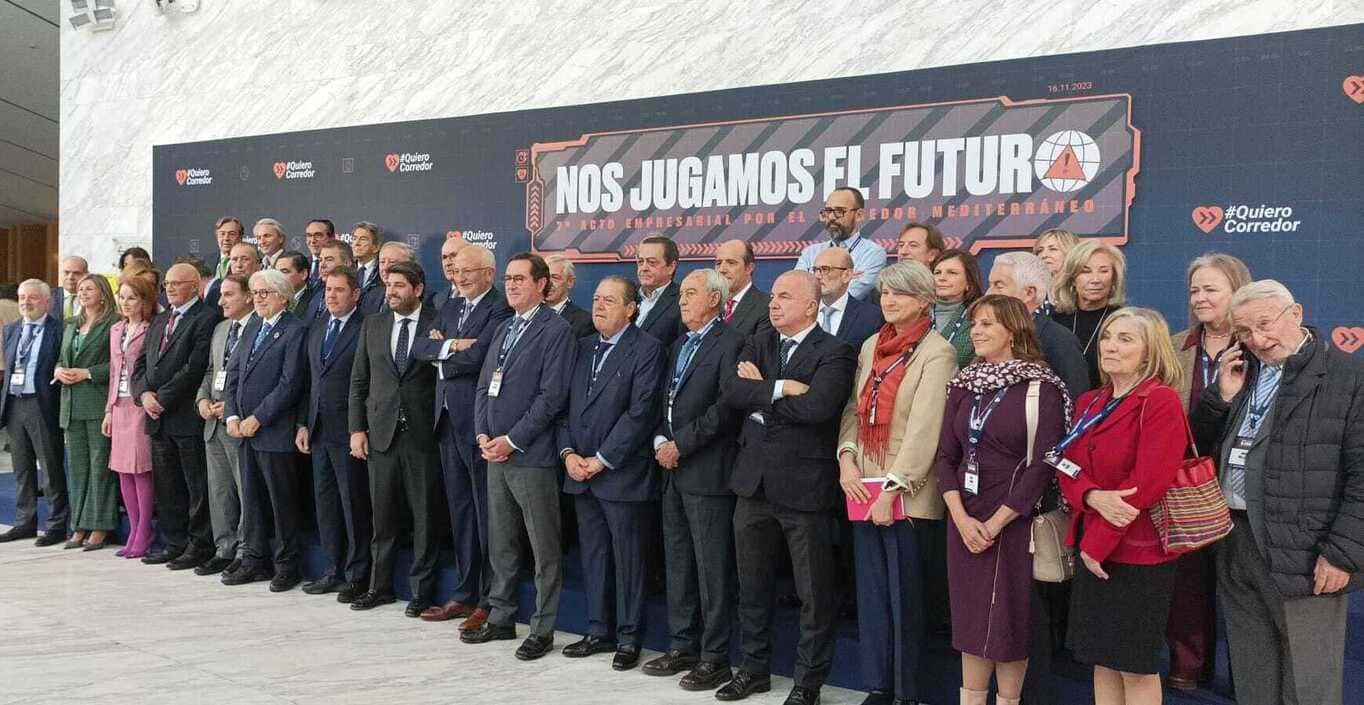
(897,421)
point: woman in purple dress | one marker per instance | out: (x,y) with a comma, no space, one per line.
(990,489)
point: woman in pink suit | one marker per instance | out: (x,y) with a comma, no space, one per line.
(130,453)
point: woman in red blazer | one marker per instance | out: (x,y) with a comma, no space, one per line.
(1126,445)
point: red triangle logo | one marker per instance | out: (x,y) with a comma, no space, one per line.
(1066,166)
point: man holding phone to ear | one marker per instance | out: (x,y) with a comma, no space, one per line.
(1285,422)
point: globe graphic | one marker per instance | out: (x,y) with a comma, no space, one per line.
(1066,160)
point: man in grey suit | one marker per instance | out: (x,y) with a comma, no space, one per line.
(220,449)
(745,310)
(522,389)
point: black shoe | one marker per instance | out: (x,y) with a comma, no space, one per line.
(323,585)
(234,566)
(50,538)
(186,561)
(214,566)
(707,675)
(534,647)
(627,657)
(901,701)
(801,695)
(17,534)
(245,575)
(96,546)
(489,632)
(879,697)
(669,664)
(160,556)
(588,646)
(743,685)
(72,544)
(371,599)
(416,607)
(284,582)
(350,591)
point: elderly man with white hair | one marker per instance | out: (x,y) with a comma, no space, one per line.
(1284,420)
(1025,277)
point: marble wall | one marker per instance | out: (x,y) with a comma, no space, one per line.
(247,67)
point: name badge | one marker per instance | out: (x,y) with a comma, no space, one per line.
(220,380)
(971,481)
(123,390)
(16,381)
(495,384)
(1064,466)
(1240,450)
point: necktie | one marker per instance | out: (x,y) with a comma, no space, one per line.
(70,304)
(329,341)
(260,339)
(400,355)
(513,333)
(826,319)
(312,274)
(684,358)
(598,357)
(729,310)
(786,346)
(223,263)
(26,343)
(463,317)
(232,332)
(170,329)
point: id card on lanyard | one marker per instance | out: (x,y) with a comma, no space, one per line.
(975,428)
(1083,426)
(1257,409)
(123,386)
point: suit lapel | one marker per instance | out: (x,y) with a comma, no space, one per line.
(344,340)
(180,326)
(624,348)
(423,323)
(805,351)
(664,297)
(707,344)
(532,329)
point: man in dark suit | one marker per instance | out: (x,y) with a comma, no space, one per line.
(365,240)
(522,389)
(266,380)
(228,232)
(391,425)
(1025,277)
(270,239)
(561,280)
(695,444)
(840,314)
(448,250)
(244,260)
(28,409)
(294,266)
(603,444)
(334,253)
(792,383)
(165,383)
(745,311)
(457,345)
(375,300)
(317,234)
(63,304)
(340,481)
(656,265)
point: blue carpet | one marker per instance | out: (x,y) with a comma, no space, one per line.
(940,672)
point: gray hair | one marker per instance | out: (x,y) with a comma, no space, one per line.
(406,249)
(279,228)
(274,279)
(38,284)
(908,277)
(1262,289)
(566,262)
(715,282)
(482,255)
(374,231)
(1028,270)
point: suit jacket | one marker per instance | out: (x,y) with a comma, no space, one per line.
(116,366)
(379,393)
(458,385)
(324,413)
(84,401)
(861,320)
(374,298)
(1063,354)
(306,308)
(579,319)
(705,430)
(216,363)
(444,297)
(57,304)
(616,417)
(791,457)
(48,399)
(665,318)
(270,383)
(175,376)
(534,390)
(750,315)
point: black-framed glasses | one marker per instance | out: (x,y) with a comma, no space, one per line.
(835,212)
(821,271)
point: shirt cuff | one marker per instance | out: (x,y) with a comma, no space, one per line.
(512,443)
(565,452)
(605,462)
(777,390)
(230,419)
(445,350)
(659,441)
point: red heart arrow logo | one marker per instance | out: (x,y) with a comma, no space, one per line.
(1207,218)
(1348,338)
(1354,88)
(181,175)
(279,169)
(391,161)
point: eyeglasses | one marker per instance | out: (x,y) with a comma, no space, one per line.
(835,213)
(262,293)
(821,271)
(1262,328)
(171,284)
(516,279)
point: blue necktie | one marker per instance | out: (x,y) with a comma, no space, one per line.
(463,317)
(232,332)
(329,341)
(400,355)
(513,333)
(826,319)
(26,343)
(684,358)
(260,340)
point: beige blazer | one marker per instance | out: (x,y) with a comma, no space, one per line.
(919,406)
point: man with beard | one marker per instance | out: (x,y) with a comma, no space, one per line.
(842,214)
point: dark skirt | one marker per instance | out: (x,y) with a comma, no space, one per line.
(1119,623)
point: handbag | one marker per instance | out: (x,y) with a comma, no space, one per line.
(1193,512)
(1052,560)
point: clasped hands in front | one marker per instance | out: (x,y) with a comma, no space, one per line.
(582,469)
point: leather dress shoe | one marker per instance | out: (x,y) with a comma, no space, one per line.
(800,695)
(284,582)
(234,566)
(17,534)
(534,647)
(97,546)
(213,566)
(902,701)
(707,675)
(72,544)
(879,697)
(323,585)
(186,561)
(160,556)
(372,599)
(489,632)
(416,607)
(350,591)
(475,620)
(627,657)
(246,575)
(447,611)
(669,664)
(50,538)
(588,646)
(743,685)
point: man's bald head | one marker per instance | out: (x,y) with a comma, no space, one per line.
(795,302)
(182,284)
(73,270)
(834,270)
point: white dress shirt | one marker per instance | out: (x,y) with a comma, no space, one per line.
(411,331)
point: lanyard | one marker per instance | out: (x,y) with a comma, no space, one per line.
(877,379)
(1087,422)
(510,342)
(26,346)
(951,331)
(976,423)
(1208,368)
(1260,403)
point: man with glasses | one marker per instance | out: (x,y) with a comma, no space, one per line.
(319,232)
(1284,417)
(840,313)
(842,215)
(165,383)
(448,250)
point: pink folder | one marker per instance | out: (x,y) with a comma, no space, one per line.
(862,511)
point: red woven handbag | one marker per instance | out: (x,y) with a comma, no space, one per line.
(1193,513)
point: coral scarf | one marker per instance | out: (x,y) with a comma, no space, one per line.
(876,406)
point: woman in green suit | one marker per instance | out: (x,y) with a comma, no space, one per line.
(83,372)
(957,284)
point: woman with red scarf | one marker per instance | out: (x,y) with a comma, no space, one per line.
(889,436)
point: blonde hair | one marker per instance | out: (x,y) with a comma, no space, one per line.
(1161,361)
(1063,290)
(1066,239)
(1236,272)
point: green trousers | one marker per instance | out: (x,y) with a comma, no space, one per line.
(92,487)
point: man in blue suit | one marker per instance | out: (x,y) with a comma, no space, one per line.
(28,408)
(841,314)
(656,265)
(522,389)
(604,445)
(340,481)
(266,378)
(457,346)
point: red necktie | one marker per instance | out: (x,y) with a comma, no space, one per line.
(729,310)
(170,328)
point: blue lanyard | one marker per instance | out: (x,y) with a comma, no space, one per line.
(1087,422)
(976,423)
(509,342)
(951,331)
(1260,403)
